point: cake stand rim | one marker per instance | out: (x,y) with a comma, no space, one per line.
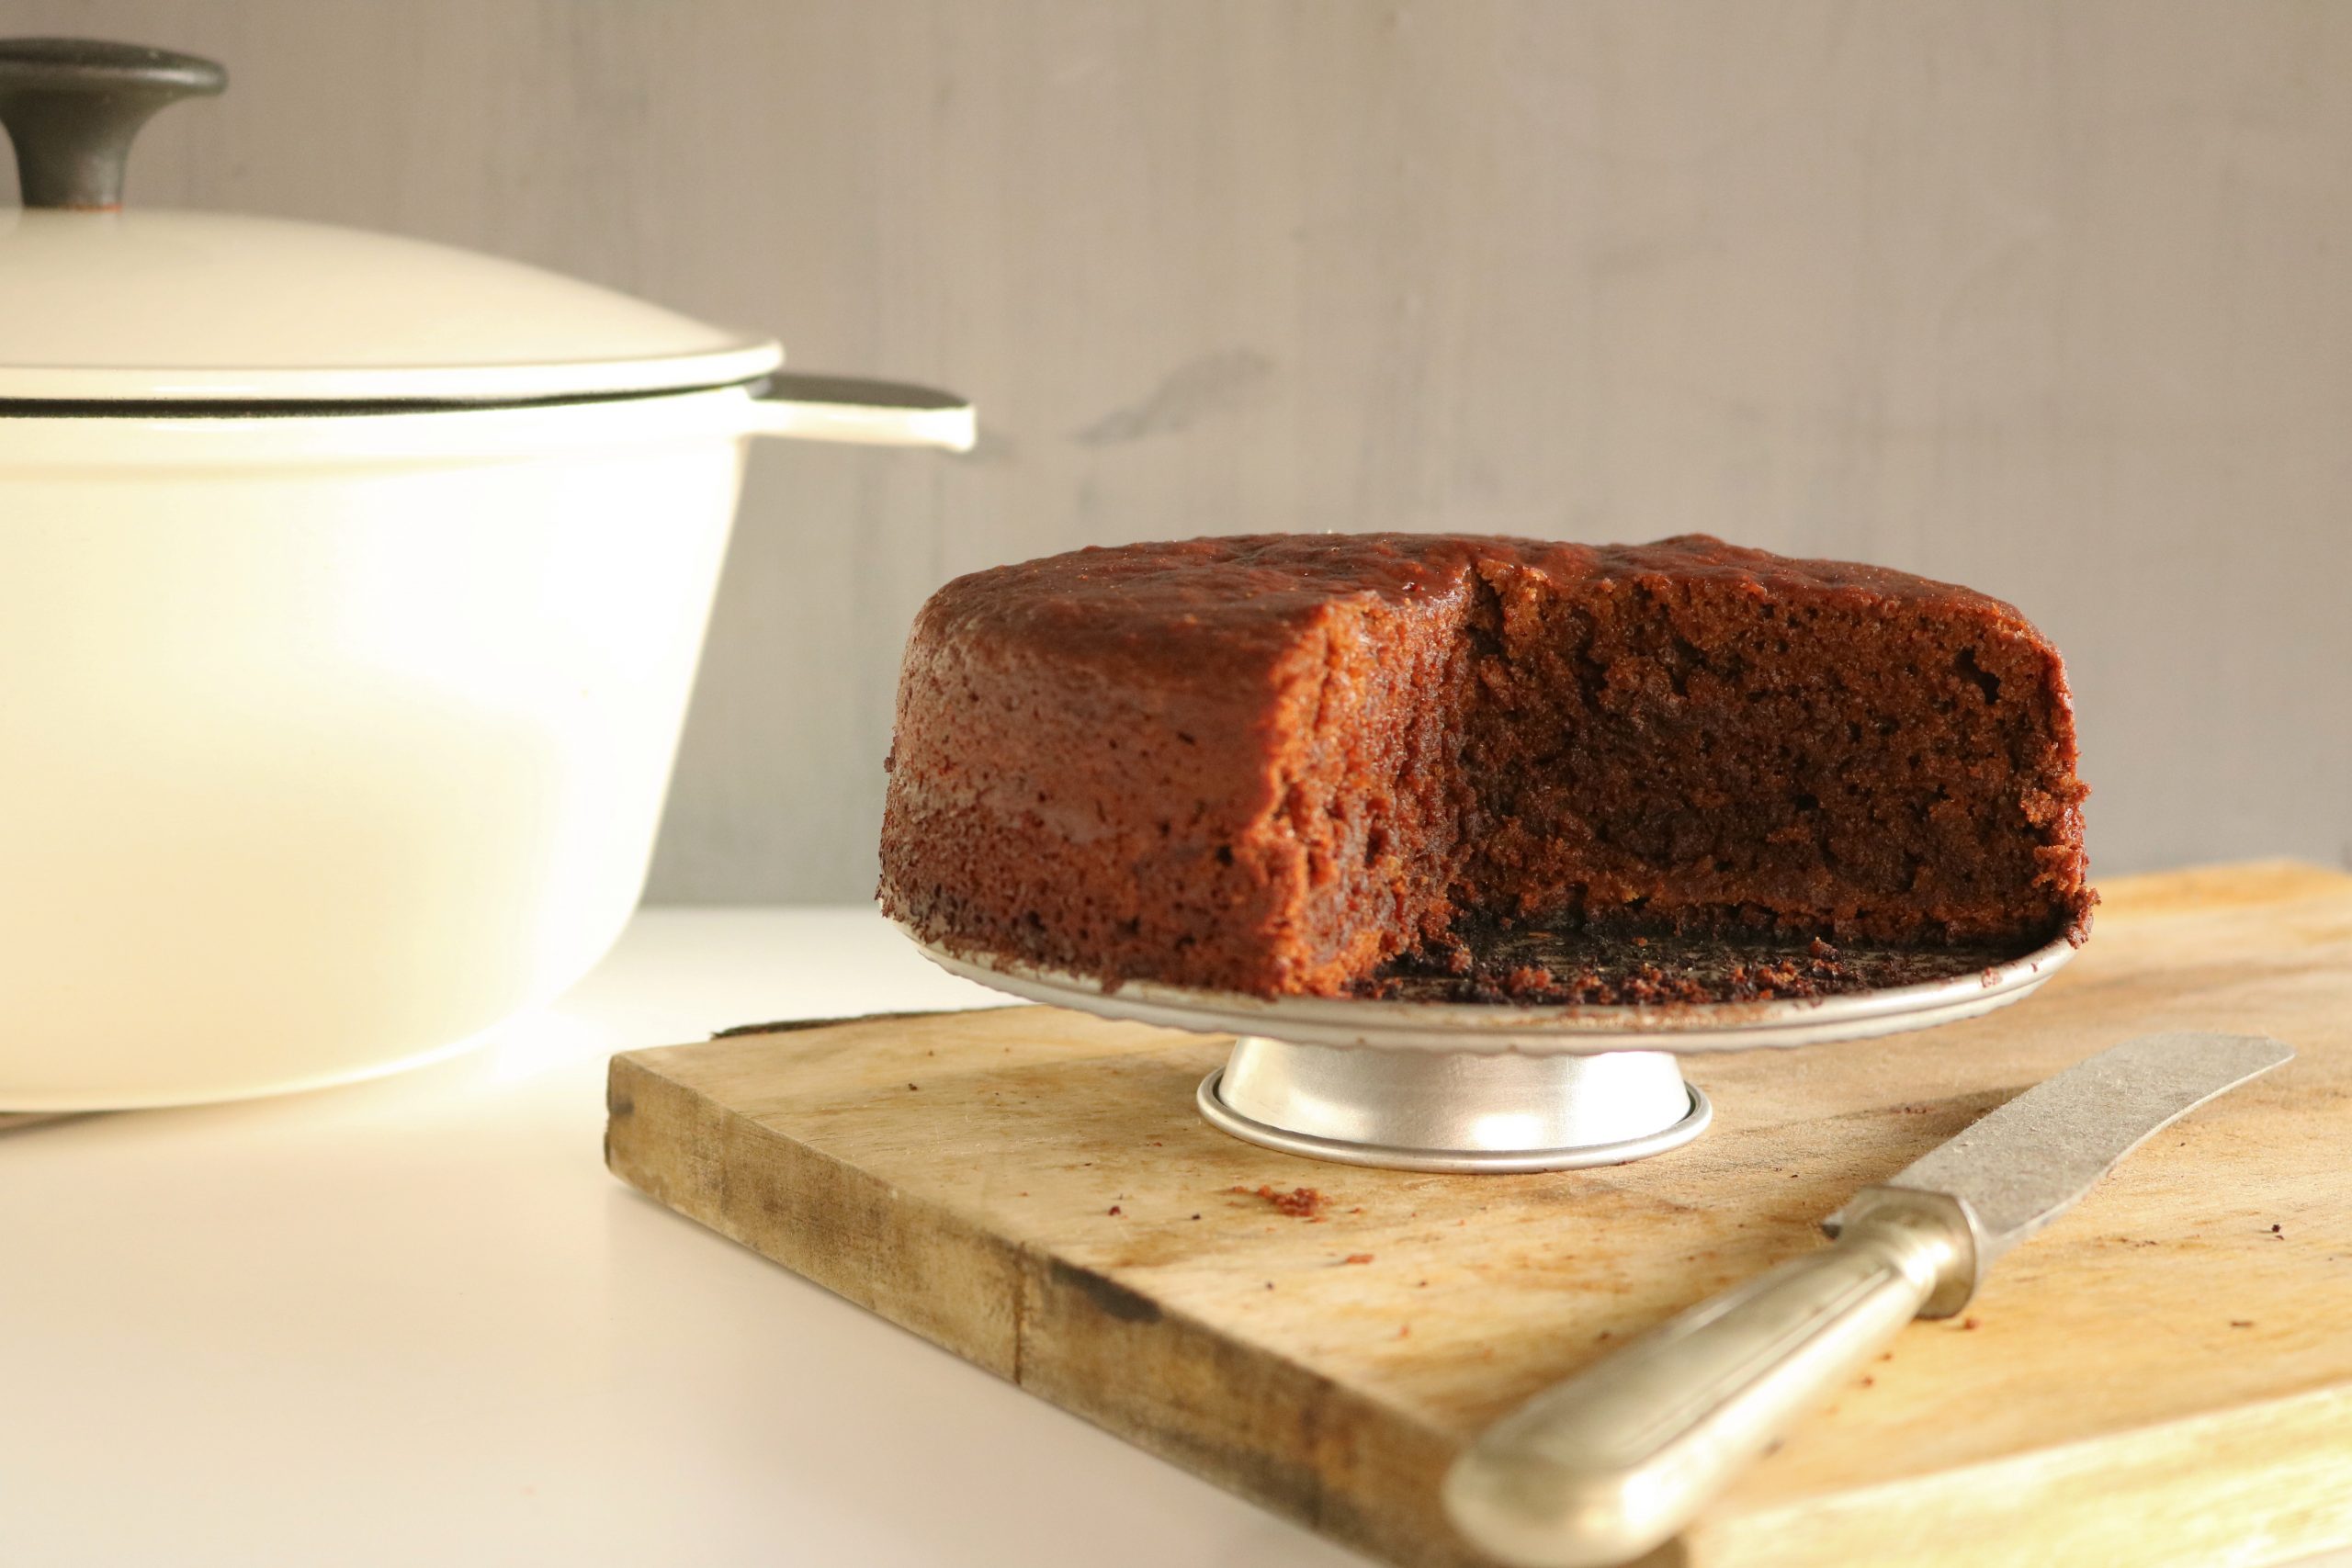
(1683,1028)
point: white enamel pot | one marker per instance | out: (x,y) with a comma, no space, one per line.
(351,592)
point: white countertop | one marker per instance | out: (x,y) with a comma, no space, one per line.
(416,1321)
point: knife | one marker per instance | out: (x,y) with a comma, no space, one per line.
(1605,1466)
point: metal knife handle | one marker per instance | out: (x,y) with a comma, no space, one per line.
(1603,1467)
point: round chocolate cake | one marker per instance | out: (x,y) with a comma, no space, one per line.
(1311,763)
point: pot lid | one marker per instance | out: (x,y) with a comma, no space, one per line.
(101,305)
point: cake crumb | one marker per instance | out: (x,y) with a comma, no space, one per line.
(2241,1323)
(1299,1202)
(1357,1258)
(1968,1323)
(1114,1208)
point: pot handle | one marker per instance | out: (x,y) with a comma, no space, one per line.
(875,413)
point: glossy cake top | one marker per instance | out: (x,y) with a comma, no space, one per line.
(1104,597)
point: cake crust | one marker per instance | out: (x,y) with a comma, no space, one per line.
(1283,763)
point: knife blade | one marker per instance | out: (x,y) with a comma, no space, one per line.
(1608,1464)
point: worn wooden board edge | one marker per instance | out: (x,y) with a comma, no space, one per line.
(2142,1498)
(1062,1332)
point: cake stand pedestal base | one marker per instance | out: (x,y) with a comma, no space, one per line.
(1452,1111)
(1416,1084)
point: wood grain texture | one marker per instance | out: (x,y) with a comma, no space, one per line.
(2164,1377)
(2043,295)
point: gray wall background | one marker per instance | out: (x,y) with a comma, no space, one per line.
(2047,298)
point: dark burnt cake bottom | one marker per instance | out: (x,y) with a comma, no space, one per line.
(1530,965)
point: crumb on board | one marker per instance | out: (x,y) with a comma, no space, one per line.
(1114,1208)
(2241,1323)
(1299,1202)
(1969,1323)
(1357,1258)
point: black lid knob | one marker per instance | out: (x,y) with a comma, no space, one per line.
(73,105)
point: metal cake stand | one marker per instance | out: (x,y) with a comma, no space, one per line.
(1470,1086)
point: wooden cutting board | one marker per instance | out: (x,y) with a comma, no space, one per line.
(2163,1377)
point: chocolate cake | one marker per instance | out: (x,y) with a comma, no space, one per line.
(1299,764)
